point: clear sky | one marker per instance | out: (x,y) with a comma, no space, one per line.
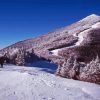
(23,19)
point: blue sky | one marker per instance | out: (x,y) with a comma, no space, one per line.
(23,19)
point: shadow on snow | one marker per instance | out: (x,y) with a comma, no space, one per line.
(44,66)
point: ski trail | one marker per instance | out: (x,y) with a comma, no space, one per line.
(80,37)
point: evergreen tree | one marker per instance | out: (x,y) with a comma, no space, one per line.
(20,59)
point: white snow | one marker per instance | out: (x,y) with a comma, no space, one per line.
(55,52)
(31,83)
(97,25)
(92,17)
(80,39)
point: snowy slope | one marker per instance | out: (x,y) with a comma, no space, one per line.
(31,83)
(97,25)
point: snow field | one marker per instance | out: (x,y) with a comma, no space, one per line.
(27,83)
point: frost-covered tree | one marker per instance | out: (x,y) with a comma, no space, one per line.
(75,71)
(20,58)
(91,72)
(65,67)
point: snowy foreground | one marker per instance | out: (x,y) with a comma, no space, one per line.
(28,83)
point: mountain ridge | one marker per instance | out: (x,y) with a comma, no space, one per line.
(61,38)
(93,16)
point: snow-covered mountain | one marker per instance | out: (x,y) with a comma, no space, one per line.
(80,40)
(27,83)
(78,34)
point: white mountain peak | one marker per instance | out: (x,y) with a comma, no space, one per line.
(91,17)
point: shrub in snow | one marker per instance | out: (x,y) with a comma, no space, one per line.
(65,68)
(75,71)
(91,72)
(20,56)
(80,71)
(20,59)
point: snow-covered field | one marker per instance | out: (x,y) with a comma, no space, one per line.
(31,83)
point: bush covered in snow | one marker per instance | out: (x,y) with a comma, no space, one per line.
(20,56)
(91,71)
(70,68)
